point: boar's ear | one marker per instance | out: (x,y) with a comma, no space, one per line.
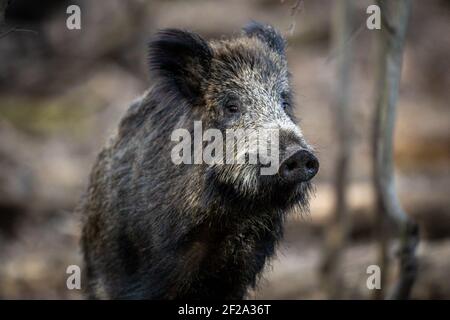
(267,34)
(181,60)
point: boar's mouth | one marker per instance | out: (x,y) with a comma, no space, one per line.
(284,192)
(270,191)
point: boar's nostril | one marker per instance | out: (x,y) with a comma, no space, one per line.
(312,165)
(291,165)
(300,167)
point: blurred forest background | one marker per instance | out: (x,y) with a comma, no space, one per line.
(62,93)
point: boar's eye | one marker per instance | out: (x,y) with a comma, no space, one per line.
(232,108)
(285,101)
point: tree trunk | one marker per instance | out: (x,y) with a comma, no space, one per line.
(337,230)
(394,17)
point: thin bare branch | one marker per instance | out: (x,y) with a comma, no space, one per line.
(3,25)
(295,9)
(15,29)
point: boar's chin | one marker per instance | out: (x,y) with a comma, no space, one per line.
(244,182)
(242,178)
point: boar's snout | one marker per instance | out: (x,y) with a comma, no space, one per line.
(301,166)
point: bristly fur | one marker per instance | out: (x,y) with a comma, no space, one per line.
(267,34)
(156,230)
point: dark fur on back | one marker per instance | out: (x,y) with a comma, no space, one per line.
(156,230)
